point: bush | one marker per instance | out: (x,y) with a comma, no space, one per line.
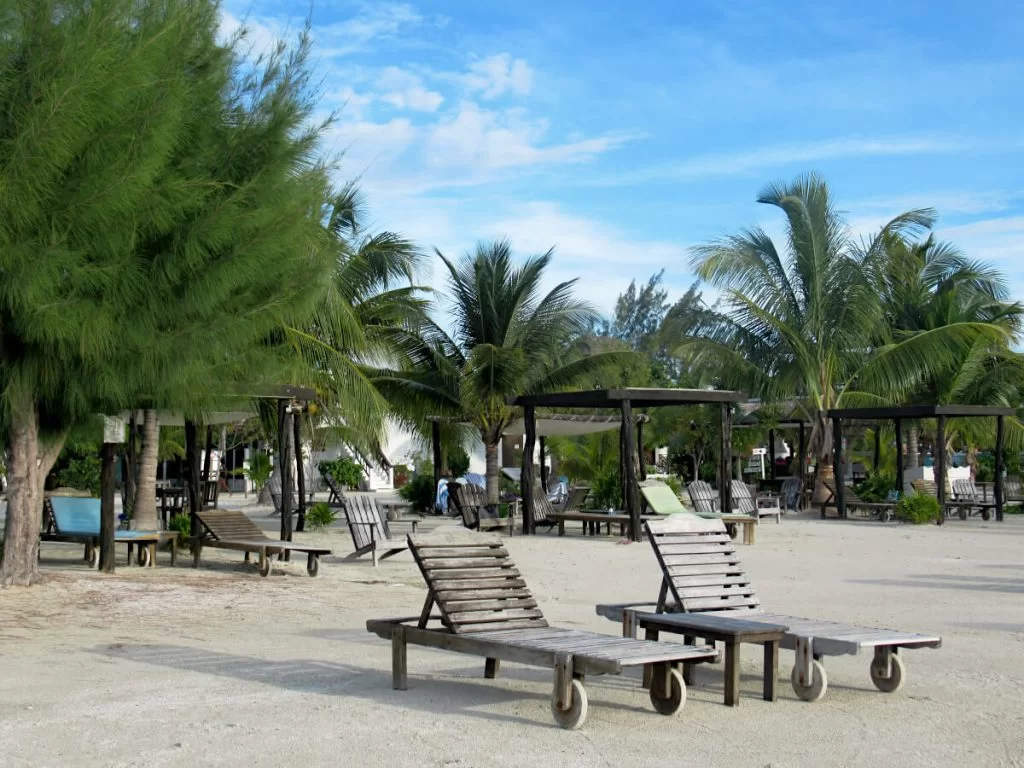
(345,472)
(82,473)
(420,492)
(182,523)
(458,462)
(259,471)
(675,484)
(877,487)
(606,491)
(917,508)
(320,515)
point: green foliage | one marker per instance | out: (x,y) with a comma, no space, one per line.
(345,472)
(918,508)
(606,490)
(420,491)
(675,484)
(182,523)
(82,473)
(261,467)
(320,515)
(878,486)
(458,462)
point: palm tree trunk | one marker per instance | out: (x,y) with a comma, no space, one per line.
(821,448)
(913,447)
(144,514)
(493,482)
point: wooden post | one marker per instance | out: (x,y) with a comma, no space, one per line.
(207,461)
(526,475)
(435,446)
(877,458)
(803,454)
(838,467)
(300,472)
(771,453)
(940,466)
(630,490)
(285,454)
(543,464)
(640,445)
(999,468)
(725,461)
(898,423)
(107,523)
(192,474)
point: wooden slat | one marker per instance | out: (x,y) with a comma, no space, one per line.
(484,626)
(716,603)
(700,570)
(494,563)
(691,547)
(465,606)
(495,574)
(709,580)
(724,557)
(488,617)
(451,596)
(424,542)
(717,590)
(435,553)
(443,583)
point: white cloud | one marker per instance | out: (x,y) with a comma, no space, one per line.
(377,20)
(258,37)
(998,241)
(351,103)
(404,90)
(942,202)
(367,144)
(495,75)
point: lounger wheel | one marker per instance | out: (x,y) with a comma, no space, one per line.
(267,566)
(573,717)
(142,558)
(985,514)
(732,530)
(669,705)
(886,516)
(313,565)
(963,513)
(892,683)
(819,683)
(94,558)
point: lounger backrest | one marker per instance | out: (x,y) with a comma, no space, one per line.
(700,567)
(542,507)
(703,497)
(365,522)
(474,583)
(577,496)
(229,525)
(743,498)
(792,488)
(662,499)
(73,515)
(965,490)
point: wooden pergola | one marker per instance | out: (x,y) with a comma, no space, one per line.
(899,414)
(624,400)
(753,420)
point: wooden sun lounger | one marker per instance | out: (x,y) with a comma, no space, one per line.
(371,531)
(663,501)
(702,574)
(81,525)
(486,610)
(471,501)
(755,504)
(231,529)
(968,500)
(880,510)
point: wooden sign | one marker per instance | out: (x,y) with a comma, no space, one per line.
(113,429)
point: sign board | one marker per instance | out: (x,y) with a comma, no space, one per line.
(113,429)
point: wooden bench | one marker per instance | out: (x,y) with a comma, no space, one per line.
(698,627)
(487,610)
(231,529)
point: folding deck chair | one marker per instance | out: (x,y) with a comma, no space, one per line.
(705,505)
(371,531)
(231,529)
(471,501)
(969,500)
(759,505)
(701,573)
(77,519)
(486,610)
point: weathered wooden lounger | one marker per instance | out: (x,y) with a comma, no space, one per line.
(486,610)
(756,504)
(77,520)
(471,501)
(663,501)
(968,500)
(231,529)
(370,530)
(702,574)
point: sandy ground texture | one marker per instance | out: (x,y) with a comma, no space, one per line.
(219,667)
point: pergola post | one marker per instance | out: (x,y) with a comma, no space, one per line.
(838,468)
(526,475)
(940,466)
(107,460)
(640,445)
(725,462)
(300,472)
(435,446)
(630,491)
(192,474)
(877,458)
(900,483)
(771,454)
(999,468)
(803,454)
(207,461)
(285,454)
(543,465)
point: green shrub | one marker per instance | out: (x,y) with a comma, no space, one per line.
(877,487)
(606,491)
(320,515)
(918,508)
(675,484)
(458,462)
(259,471)
(82,473)
(420,492)
(182,523)
(345,472)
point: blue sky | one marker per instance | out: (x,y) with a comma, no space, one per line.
(623,135)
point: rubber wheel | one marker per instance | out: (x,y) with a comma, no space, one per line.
(819,683)
(143,557)
(985,514)
(732,529)
(94,560)
(886,516)
(267,567)
(892,683)
(963,513)
(676,698)
(573,717)
(313,566)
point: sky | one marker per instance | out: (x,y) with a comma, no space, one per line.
(623,135)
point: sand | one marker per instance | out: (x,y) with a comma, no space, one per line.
(217,666)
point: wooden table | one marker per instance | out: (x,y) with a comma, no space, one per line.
(731,631)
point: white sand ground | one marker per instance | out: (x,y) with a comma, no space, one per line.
(218,667)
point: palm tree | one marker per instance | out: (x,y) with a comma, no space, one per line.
(508,338)
(807,323)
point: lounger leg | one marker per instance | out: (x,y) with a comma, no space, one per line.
(563,680)
(129,562)
(174,551)
(152,555)
(771,669)
(802,662)
(732,674)
(629,624)
(561,527)
(398,659)
(246,561)
(881,665)
(197,549)
(688,668)
(491,668)
(653,635)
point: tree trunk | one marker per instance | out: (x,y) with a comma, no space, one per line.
(131,467)
(913,446)
(821,448)
(24,498)
(493,478)
(144,514)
